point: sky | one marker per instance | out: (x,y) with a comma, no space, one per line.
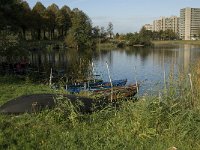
(125,15)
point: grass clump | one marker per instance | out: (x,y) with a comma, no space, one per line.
(160,122)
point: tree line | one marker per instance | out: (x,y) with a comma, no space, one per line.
(144,37)
(159,35)
(36,23)
(50,23)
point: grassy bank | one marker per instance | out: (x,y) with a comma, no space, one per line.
(197,42)
(106,46)
(153,123)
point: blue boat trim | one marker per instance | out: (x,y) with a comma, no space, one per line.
(95,86)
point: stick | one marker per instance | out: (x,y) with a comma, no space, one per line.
(164,75)
(136,79)
(93,72)
(191,85)
(50,78)
(110,81)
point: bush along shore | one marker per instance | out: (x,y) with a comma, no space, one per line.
(168,121)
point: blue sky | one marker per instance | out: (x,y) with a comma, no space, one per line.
(126,15)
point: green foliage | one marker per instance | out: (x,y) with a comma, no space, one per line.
(47,23)
(144,37)
(80,34)
(8,13)
(63,20)
(141,38)
(21,22)
(10,47)
(51,14)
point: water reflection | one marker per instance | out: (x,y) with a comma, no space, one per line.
(142,64)
(69,63)
(151,63)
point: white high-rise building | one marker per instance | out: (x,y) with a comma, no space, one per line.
(166,23)
(189,24)
(157,25)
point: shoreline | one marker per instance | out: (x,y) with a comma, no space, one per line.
(197,42)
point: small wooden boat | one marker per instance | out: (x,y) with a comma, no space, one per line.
(115,83)
(117,92)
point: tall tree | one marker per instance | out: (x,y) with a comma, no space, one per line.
(38,13)
(51,14)
(63,20)
(80,34)
(9,13)
(24,17)
(110,29)
(96,32)
(145,33)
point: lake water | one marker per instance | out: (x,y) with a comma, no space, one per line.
(148,66)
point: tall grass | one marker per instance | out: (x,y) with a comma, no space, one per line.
(153,123)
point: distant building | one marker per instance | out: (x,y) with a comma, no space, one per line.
(148,27)
(189,23)
(175,24)
(166,23)
(157,25)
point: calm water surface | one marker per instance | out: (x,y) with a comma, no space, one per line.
(145,65)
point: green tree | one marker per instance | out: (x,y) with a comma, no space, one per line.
(10,26)
(80,34)
(170,35)
(155,35)
(103,34)
(117,36)
(10,11)
(6,7)
(24,17)
(63,20)
(96,32)
(38,13)
(51,14)
(146,33)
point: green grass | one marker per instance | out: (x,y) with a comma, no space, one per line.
(11,87)
(106,46)
(197,42)
(153,123)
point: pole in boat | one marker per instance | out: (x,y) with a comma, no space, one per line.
(110,81)
(136,79)
(50,78)
(93,72)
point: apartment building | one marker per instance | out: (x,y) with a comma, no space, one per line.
(148,27)
(167,23)
(175,24)
(157,25)
(189,23)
